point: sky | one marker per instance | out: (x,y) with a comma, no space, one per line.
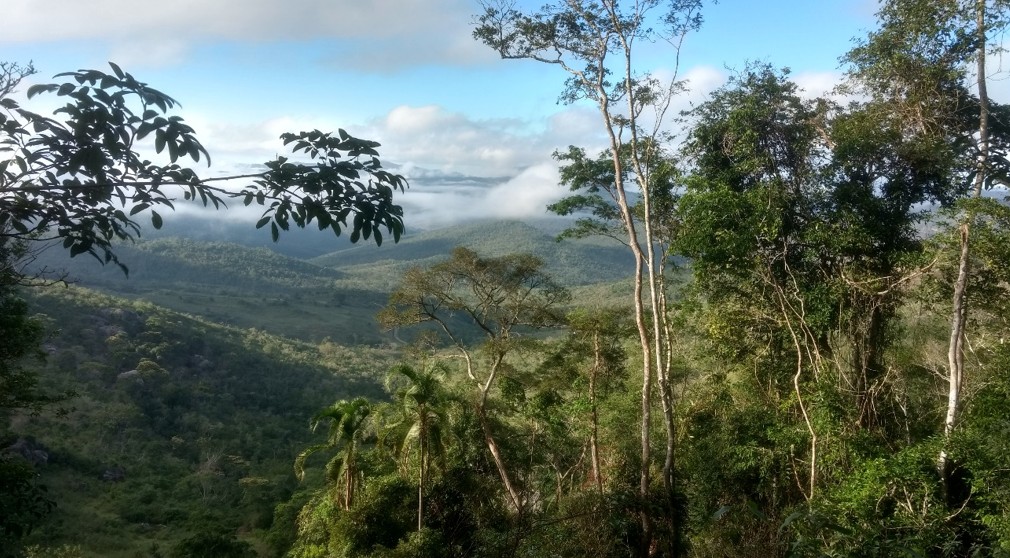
(472,133)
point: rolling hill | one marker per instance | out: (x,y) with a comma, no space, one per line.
(335,296)
(573,263)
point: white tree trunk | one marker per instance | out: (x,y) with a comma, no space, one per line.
(959,319)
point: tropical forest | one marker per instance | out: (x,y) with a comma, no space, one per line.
(771,325)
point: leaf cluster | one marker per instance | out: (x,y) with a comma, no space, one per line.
(81,176)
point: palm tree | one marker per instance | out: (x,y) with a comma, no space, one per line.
(346,421)
(422,399)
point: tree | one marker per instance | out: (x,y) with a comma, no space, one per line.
(924,62)
(499,299)
(584,38)
(346,421)
(24,504)
(211,545)
(422,399)
(593,354)
(11,74)
(745,215)
(799,220)
(81,178)
(21,336)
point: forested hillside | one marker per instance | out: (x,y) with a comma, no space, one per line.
(178,427)
(237,285)
(583,262)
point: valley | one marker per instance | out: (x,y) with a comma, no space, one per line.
(192,379)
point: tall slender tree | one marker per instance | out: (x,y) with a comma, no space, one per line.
(596,43)
(593,354)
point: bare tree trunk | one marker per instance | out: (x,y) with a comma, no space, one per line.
(594,445)
(959,318)
(955,353)
(652,349)
(662,342)
(657,307)
(348,486)
(643,329)
(643,333)
(421,472)
(515,498)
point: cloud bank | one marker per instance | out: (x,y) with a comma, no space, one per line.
(381,35)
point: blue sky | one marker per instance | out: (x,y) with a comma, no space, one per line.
(473,133)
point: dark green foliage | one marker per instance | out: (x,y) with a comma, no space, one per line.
(982,455)
(383,517)
(24,503)
(210,545)
(203,421)
(283,529)
(883,506)
(346,422)
(21,337)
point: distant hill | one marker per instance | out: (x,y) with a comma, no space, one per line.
(209,226)
(572,262)
(235,285)
(174,261)
(336,295)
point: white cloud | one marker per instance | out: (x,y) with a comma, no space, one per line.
(527,194)
(377,35)
(37,20)
(432,137)
(581,126)
(419,120)
(434,202)
(459,168)
(702,80)
(817,84)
